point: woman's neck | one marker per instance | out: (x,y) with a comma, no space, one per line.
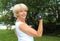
(20,19)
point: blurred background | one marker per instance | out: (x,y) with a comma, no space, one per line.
(50,9)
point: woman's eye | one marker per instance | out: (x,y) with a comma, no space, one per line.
(21,11)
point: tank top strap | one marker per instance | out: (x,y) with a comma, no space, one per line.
(18,23)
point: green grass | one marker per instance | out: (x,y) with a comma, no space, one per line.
(7,35)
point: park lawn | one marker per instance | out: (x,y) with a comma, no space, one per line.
(7,35)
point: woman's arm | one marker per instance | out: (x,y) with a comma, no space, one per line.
(40,28)
(30,31)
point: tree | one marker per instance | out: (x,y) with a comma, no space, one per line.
(49,8)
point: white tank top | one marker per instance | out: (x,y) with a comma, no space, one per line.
(21,35)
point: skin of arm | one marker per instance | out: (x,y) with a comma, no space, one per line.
(30,31)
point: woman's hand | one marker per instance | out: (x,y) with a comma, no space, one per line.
(39,16)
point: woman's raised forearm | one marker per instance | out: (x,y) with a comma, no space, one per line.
(40,28)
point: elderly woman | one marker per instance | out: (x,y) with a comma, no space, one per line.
(24,32)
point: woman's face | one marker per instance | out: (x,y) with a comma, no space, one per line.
(22,13)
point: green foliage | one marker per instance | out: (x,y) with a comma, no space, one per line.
(51,7)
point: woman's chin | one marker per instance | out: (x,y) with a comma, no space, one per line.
(24,17)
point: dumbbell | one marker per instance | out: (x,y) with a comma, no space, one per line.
(39,16)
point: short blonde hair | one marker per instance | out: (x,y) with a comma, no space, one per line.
(17,8)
